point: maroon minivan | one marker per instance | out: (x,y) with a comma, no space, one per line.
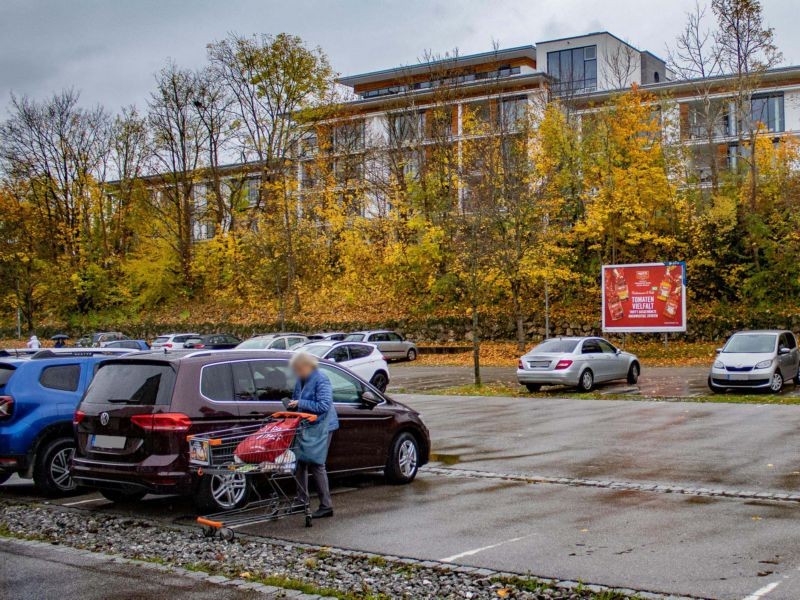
(132,424)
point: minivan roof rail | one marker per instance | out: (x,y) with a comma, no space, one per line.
(70,352)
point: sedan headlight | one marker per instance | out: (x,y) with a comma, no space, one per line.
(718,364)
(764,364)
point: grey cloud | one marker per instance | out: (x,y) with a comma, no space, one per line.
(110,49)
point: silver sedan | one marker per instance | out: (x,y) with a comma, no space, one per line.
(578,362)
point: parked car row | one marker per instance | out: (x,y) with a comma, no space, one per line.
(755,360)
(117,420)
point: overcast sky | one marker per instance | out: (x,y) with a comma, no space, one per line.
(109,49)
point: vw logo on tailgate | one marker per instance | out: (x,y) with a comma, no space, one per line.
(104,418)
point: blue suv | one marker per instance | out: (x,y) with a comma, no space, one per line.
(38,398)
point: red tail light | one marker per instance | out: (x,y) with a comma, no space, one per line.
(168,345)
(520,365)
(199,345)
(6,406)
(78,417)
(563,364)
(162,422)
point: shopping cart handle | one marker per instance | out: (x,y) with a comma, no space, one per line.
(283,414)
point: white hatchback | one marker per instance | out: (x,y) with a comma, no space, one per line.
(365,360)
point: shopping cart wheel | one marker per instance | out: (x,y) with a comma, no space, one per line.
(227,534)
(308,520)
(209,531)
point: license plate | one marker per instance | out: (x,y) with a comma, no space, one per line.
(538,364)
(108,442)
(736,377)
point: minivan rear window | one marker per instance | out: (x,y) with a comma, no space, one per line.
(139,383)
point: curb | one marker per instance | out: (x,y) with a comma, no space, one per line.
(252,586)
(616,485)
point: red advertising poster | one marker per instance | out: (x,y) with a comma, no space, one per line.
(644,298)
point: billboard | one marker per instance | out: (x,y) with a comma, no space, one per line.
(644,298)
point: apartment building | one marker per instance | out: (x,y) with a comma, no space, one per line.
(400,111)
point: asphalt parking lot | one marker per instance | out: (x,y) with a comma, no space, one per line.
(672,382)
(33,573)
(625,494)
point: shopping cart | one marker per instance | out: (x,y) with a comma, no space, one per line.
(263,454)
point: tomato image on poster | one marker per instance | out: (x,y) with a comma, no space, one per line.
(644,297)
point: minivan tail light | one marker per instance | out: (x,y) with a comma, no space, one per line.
(563,364)
(78,417)
(6,407)
(162,422)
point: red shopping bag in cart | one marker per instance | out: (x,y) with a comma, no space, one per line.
(272,440)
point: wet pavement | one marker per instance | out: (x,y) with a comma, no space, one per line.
(33,573)
(662,382)
(516,487)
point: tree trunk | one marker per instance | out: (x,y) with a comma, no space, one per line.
(476,347)
(519,317)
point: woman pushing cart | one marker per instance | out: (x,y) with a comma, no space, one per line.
(285,447)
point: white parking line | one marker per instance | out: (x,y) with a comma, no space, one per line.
(760,593)
(489,547)
(85,501)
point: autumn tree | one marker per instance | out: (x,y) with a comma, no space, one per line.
(274,81)
(53,157)
(177,139)
(747,51)
(697,59)
(633,212)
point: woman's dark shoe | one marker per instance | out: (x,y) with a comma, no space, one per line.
(322,513)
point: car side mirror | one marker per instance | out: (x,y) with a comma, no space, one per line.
(618,351)
(369,399)
(784,350)
(718,350)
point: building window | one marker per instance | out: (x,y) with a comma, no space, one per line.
(767,109)
(574,68)
(349,136)
(252,192)
(404,127)
(308,145)
(512,111)
(200,198)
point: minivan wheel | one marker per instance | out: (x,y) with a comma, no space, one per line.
(776,383)
(412,354)
(123,496)
(51,470)
(380,380)
(403,461)
(216,493)
(586,381)
(633,373)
